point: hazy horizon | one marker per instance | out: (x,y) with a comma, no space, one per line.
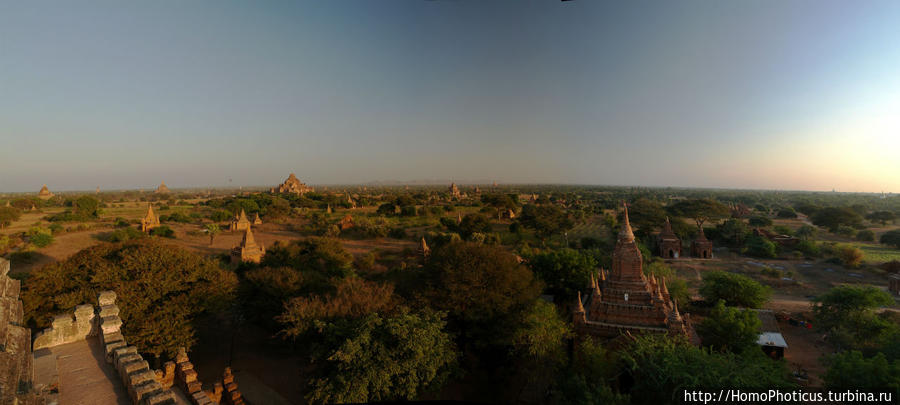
(773,95)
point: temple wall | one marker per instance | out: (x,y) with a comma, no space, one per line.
(16,361)
(66,329)
(181,373)
(139,380)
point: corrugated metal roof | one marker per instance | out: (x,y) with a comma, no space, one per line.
(771,339)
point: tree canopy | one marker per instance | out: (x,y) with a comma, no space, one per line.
(161,289)
(700,210)
(382,358)
(734,289)
(730,329)
(481,287)
(545,220)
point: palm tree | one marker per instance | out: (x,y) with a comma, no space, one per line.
(213,230)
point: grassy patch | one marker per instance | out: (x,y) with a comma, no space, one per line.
(877,253)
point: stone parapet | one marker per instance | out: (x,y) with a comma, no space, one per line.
(66,329)
(16,361)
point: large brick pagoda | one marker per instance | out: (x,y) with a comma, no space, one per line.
(625,300)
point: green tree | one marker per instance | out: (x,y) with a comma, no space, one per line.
(563,271)
(848,314)
(545,220)
(865,235)
(806,232)
(786,213)
(733,232)
(161,290)
(319,259)
(759,221)
(588,381)
(734,289)
(483,288)
(87,207)
(701,210)
(891,238)
(851,371)
(645,215)
(8,215)
(833,217)
(354,298)
(382,358)
(882,216)
(662,367)
(758,246)
(730,329)
(212,230)
(473,223)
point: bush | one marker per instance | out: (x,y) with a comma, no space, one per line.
(845,230)
(865,235)
(163,231)
(786,213)
(770,272)
(734,289)
(808,248)
(121,222)
(125,234)
(758,246)
(850,256)
(759,221)
(891,238)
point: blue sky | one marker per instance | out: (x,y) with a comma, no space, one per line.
(746,94)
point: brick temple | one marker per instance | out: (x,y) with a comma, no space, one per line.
(625,300)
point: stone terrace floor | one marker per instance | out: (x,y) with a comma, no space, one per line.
(83,374)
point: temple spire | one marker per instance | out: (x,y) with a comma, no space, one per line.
(579,307)
(625,233)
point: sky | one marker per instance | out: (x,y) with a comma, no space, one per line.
(765,94)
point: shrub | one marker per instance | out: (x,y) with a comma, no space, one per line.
(163,231)
(891,238)
(759,246)
(125,234)
(734,289)
(865,235)
(850,256)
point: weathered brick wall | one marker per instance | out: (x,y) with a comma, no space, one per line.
(16,367)
(135,372)
(64,329)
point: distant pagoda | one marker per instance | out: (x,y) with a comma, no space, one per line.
(45,193)
(669,244)
(162,189)
(626,301)
(292,185)
(150,220)
(248,250)
(240,222)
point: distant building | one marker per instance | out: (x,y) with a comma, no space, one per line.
(256,220)
(162,189)
(248,250)
(150,220)
(894,283)
(240,222)
(454,191)
(292,185)
(45,193)
(701,247)
(346,222)
(668,243)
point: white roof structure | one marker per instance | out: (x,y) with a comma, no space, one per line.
(771,339)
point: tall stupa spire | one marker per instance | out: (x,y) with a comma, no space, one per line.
(625,233)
